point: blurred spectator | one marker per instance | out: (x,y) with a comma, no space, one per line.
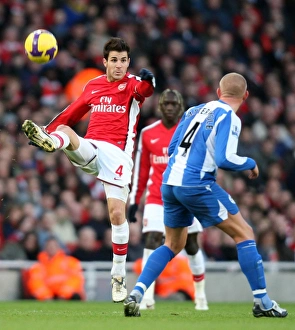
(55,275)
(105,252)
(12,221)
(45,229)
(136,245)
(69,200)
(87,247)
(98,219)
(212,244)
(188,45)
(30,245)
(25,249)
(64,227)
(266,245)
(12,250)
(51,88)
(215,11)
(228,248)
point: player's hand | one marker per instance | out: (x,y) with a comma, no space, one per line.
(146,74)
(131,213)
(254,173)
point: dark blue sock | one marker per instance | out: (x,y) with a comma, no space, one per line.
(154,266)
(252,266)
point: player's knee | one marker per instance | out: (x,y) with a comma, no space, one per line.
(62,128)
(116,217)
(249,232)
(175,245)
(245,231)
(191,248)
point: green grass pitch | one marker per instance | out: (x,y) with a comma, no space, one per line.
(56,315)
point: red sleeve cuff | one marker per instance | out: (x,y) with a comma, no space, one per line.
(144,89)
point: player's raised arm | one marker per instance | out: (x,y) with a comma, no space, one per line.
(146,86)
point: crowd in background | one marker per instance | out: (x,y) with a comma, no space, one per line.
(188,45)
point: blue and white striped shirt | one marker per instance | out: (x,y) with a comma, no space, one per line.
(206,139)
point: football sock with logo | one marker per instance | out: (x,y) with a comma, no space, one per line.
(60,139)
(252,266)
(154,266)
(120,237)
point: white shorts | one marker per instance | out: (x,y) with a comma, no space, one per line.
(107,162)
(112,191)
(153,220)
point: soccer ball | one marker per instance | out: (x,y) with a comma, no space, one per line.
(41,46)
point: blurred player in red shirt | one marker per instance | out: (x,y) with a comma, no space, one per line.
(114,101)
(151,161)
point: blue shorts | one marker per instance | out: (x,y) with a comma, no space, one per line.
(210,204)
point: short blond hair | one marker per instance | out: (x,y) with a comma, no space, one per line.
(233,85)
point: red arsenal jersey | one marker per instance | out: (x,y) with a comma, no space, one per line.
(150,163)
(114,110)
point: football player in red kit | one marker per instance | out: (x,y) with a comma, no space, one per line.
(151,161)
(114,101)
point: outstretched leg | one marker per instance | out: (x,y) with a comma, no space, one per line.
(63,138)
(251,265)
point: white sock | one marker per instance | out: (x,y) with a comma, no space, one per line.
(120,237)
(200,289)
(60,139)
(197,263)
(119,265)
(197,266)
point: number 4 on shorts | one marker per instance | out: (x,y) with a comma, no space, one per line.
(119,170)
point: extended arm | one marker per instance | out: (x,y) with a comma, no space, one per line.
(69,116)
(146,86)
(226,145)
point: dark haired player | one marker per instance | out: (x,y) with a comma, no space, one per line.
(114,101)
